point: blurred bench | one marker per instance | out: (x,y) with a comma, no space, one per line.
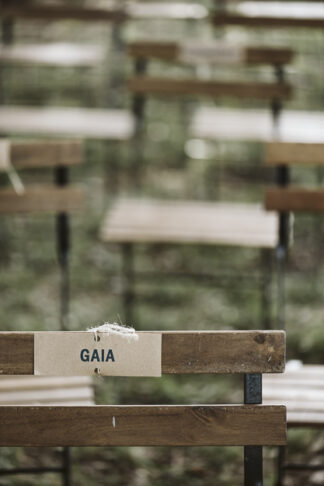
(53,54)
(300,389)
(21,391)
(252,425)
(273,15)
(211,51)
(60,197)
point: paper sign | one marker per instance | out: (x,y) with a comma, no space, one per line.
(78,354)
(219,53)
(4,155)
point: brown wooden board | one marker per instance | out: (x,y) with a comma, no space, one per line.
(267,21)
(45,154)
(169,51)
(187,352)
(294,199)
(280,153)
(163,86)
(56,12)
(199,425)
(42,198)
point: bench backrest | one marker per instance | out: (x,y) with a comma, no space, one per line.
(58,197)
(286,198)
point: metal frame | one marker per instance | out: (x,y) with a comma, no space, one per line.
(253,455)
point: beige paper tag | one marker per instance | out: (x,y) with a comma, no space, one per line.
(4,155)
(78,354)
(218,53)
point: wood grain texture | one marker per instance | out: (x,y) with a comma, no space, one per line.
(294,199)
(44,154)
(200,425)
(169,51)
(42,199)
(267,21)
(163,86)
(280,153)
(182,352)
(152,221)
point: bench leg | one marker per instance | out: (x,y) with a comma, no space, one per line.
(253,461)
(66,470)
(280,466)
(128,283)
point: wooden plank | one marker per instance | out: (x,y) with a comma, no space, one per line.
(170,51)
(280,153)
(44,154)
(20,10)
(166,10)
(163,86)
(53,54)
(257,125)
(67,122)
(187,352)
(189,222)
(294,199)
(42,198)
(267,21)
(200,425)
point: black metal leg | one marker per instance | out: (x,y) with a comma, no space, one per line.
(266,288)
(280,466)
(253,463)
(66,459)
(128,283)
(138,110)
(281,298)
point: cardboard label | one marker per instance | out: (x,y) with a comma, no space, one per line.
(78,354)
(4,155)
(218,53)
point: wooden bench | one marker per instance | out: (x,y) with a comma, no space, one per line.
(60,198)
(53,54)
(130,222)
(211,52)
(273,15)
(251,425)
(20,391)
(300,389)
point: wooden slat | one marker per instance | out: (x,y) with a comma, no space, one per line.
(189,222)
(294,199)
(169,51)
(162,86)
(42,198)
(182,352)
(267,21)
(44,154)
(166,10)
(279,153)
(67,122)
(257,125)
(53,54)
(56,12)
(158,425)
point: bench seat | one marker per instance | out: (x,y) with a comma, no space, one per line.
(256,125)
(56,54)
(67,122)
(192,222)
(301,390)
